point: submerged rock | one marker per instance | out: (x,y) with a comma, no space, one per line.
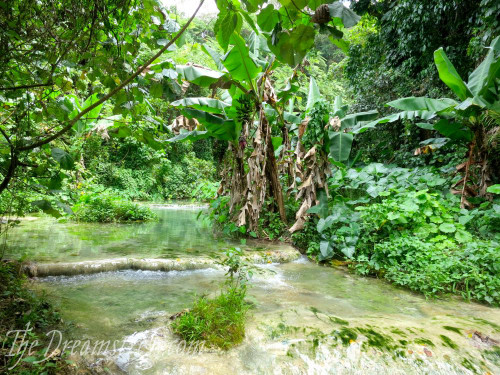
(33,269)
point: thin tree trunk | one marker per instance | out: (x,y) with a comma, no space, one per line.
(272,171)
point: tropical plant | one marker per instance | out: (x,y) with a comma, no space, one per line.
(249,113)
(475,119)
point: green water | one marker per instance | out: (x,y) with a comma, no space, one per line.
(296,307)
(177,233)
(305,319)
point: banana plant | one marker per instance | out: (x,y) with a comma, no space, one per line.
(472,117)
(238,116)
(250,112)
(324,137)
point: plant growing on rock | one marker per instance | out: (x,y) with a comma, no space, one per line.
(220,321)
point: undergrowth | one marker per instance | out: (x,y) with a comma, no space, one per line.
(105,208)
(21,308)
(219,322)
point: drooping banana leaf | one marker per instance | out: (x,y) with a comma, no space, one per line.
(216,126)
(189,135)
(198,75)
(410,115)
(350,121)
(413,103)
(203,104)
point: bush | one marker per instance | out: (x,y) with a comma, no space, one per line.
(472,270)
(178,180)
(218,322)
(402,225)
(18,307)
(105,208)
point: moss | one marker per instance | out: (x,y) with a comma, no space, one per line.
(448,342)
(469,365)
(20,306)
(377,340)
(397,331)
(338,321)
(346,335)
(453,329)
(423,341)
(488,323)
(218,322)
(493,355)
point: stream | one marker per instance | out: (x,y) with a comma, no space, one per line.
(305,318)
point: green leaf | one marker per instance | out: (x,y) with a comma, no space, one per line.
(422,104)
(348,251)
(449,75)
(225,25)
(92,115)
(425,125)
(453,130)
(340,145)
(495,189)
(65,160)
(199,76)
(150,140)
(340,12)
(217,127)
(341,43)
(410,115)
(484,76)
(30,359)
(277,142)
(463,236)
(268,18)
(214,55)
(156,90)
(302,40)
(326,250)
(202,104)
(46,207)
(313,96)
(352,120)
(238,61)
(189,136)
(447,228)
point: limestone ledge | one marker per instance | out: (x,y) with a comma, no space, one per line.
(34,269)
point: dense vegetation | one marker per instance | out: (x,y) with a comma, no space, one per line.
(350,132)
(219,322)
(22,309)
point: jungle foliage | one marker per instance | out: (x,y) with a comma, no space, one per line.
(350,131)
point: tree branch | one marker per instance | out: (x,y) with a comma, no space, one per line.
(26,86)
(112,92)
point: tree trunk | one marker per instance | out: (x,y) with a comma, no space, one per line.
(272,171)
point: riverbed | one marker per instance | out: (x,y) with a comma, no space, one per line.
(304,318)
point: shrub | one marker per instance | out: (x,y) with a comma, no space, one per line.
(105,208)
(18,307)
(219,322)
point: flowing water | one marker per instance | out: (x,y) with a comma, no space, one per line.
(305,319)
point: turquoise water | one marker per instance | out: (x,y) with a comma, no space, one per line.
(177,233)
(297,308)
(305,318)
